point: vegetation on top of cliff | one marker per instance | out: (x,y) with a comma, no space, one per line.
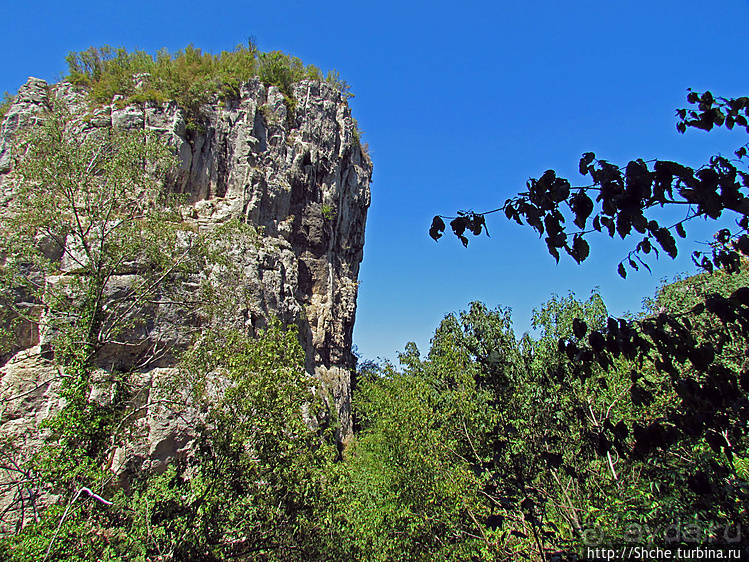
(190,76)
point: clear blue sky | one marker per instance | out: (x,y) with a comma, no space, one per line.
(460,103)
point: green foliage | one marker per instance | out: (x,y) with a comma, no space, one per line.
(259,484)
(92,249)
(328,212)
(259,479)
(92,220)
(659,400)
(5,104)
(412,494)
(95,204)
(87,209)
(190,77)
(544,456)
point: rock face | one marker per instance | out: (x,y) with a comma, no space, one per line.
(300,177)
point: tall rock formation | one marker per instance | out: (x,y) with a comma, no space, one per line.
(299,175)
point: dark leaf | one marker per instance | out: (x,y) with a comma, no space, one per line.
(640,396)
(597,341)
(476,223)
(582,206)
(438,227)
(527,505)
(702,357)
(559,190)
(553,460)
(622,272)
(561,345)
(699,483)
(571,351)
(620,430)
(667,242)
(623,225)
(587,158)
(580,249)
(579,328)
(609,223)
(459,225)
(742,244)
(721,307)
(604,445)
(741,295)
(554,252)
(715,440)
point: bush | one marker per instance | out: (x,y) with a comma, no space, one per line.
(189,76)
(5,104)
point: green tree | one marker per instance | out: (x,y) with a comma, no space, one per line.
(259,484)
(411,472)
(684,423)
(547,452)
(261,475)
(90,250)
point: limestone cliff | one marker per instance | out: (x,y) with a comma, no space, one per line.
(299,175)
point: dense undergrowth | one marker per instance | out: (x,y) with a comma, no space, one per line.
(488,448)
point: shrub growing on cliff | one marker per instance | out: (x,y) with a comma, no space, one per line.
(87,247)
(190,76)
(257,486)
(5,104)
(262,468)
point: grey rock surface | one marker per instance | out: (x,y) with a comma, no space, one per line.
(301,179)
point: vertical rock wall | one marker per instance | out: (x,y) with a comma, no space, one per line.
(297,174)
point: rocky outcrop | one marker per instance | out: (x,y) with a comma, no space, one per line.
(299,175)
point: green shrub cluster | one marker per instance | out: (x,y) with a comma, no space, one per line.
(490,448)
(190,76)
(5,104)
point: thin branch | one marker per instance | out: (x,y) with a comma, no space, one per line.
(65,514)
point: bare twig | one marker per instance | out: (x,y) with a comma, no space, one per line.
(65,514)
